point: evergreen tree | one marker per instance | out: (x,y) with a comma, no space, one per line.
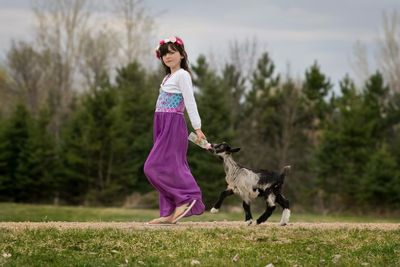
(74,174)
(258,122)
(382,163)
(337,155)
(317,110)
(393,119)
(37,163)
(13,143)
(354,134)
(376,109)
(316,88)
(87,150)
(381,181)
(233,86)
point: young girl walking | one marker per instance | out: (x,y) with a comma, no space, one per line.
(166,166)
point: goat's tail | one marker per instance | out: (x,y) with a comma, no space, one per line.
(285,172)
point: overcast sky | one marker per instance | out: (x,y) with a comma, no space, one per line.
(293,32)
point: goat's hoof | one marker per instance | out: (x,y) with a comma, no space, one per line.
(248,222)
(214,210)
(283,224)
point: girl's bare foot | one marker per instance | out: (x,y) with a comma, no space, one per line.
(162,220)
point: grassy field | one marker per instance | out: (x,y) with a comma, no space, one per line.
(42,213)
(175,246)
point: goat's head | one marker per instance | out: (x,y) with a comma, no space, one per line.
(223,149)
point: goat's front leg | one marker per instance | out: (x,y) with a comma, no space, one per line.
(247,212)
(221,198)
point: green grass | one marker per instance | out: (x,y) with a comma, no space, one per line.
(41,213)
(211,247)
(174,246)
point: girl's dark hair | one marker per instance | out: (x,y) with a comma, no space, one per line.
(175,47)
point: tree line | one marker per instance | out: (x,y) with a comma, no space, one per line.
(343,147)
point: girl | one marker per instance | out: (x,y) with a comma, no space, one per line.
(166,166)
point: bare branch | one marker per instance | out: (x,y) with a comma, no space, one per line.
(138,26)
(359,61)
(389,56)
(244,55)
(60,25)
(27,72)
(98,51)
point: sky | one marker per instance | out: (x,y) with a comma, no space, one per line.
(294,33)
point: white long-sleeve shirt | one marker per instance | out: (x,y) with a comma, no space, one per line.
(172,89)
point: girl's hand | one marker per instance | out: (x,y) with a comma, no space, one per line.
(200,134)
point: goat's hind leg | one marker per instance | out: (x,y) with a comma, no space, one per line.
(267,213)
(284,203)
(221,198)
(269,210)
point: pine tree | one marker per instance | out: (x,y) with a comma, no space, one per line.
(355,132)
(38,162)
(393,119)
(317,110)
(233,86)
(74,157)
(13,143)
(382,163)
(381,181)
(337,155)
(316,88)
(257,120)
(87,149)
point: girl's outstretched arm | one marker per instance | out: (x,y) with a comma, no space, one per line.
(186,87)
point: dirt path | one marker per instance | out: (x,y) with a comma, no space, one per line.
(186,225)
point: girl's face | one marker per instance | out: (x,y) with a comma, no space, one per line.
(172,59)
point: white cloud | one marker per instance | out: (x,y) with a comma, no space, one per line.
(15,24)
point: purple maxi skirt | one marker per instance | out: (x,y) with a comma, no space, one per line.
(166,166)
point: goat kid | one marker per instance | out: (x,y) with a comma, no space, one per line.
(250,184)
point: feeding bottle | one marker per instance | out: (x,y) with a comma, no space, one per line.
(203,143)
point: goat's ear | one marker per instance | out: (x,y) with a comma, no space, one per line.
(233,150)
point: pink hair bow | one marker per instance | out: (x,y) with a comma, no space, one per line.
(172,39)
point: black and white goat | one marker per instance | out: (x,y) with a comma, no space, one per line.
(250,184)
